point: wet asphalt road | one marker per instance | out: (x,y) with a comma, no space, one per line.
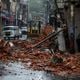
(16,71)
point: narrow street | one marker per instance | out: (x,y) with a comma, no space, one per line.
(39,39)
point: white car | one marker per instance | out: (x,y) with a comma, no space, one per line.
(10,32)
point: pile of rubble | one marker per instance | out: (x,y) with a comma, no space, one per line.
(70,64)
(60,64)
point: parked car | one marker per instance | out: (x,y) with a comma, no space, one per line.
(10,32)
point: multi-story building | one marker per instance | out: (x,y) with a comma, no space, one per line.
(22,11)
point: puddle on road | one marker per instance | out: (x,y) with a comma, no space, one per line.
(16,71)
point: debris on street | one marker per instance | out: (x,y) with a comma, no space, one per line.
(59,64)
